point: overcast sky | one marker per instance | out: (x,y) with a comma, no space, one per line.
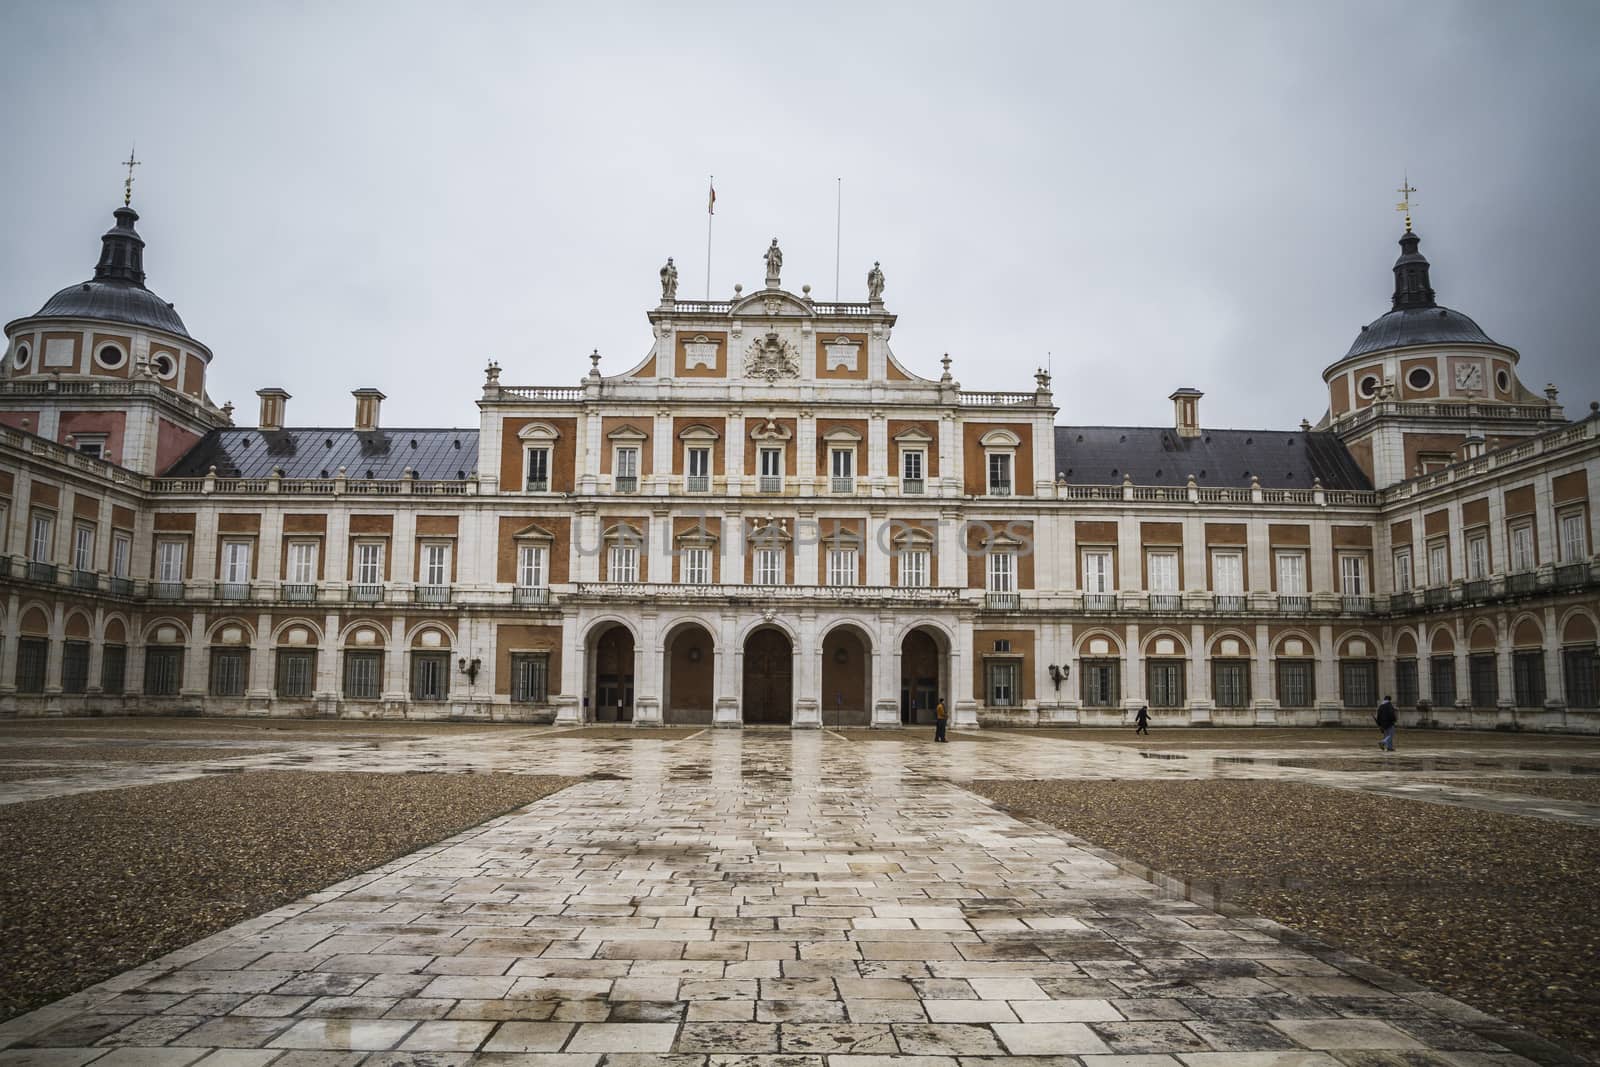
(391,194)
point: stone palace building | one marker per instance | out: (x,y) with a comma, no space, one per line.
(771,519)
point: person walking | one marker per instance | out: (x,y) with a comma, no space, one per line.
(1386,719)
(1143,719)
(940,718)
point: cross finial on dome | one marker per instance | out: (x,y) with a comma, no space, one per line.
(1405,205)
(127,183)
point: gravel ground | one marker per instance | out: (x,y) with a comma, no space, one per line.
(23,774)
(126,753)
(1481,763)
(1496,910)
(1583,789)
(1324,737)
(100,882)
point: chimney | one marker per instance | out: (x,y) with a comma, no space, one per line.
(1186,411)
(367,401)
(273,401)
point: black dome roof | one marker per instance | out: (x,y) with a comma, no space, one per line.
(117,291)
(1415,318)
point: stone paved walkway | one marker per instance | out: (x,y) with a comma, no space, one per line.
(754,899)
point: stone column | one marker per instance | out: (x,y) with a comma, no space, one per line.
(728,680)
(1506,705)
(886,673)
(1330,705)
(196,663)
(260,684)
(1263,691)
(734,444)
(877,546)
(574,662)
(808,675)
(647,670)
(963,661)
(328,656)
(1555,697)
(395,690)
(1133,695)
(1201,702)
(663,445)
(97,650)
(806,453)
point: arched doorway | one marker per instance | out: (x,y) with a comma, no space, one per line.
(846,666)
(690,673)
(611,678)
(768,677)
(922,676)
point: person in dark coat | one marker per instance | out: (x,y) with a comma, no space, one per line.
(940,719)
(1386,719)
(1143,719)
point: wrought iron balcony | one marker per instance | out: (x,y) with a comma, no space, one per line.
(119,586)
(41,572)
(363,593)
(1165,602)
(1294,602)
(233,591)
(626,483)
(1478,589)
(842,485)
(1000,489)
(431,594)
(166,590)
(85,580)
(1572,575)
(770,483)
(1002,601)
(911,486)
(1355,604)
(1402,601)
(299,592)
(538,486)
(1522,582)
(1436,596)
(1230,602)
(697,483)
(1099,602)
(530,595)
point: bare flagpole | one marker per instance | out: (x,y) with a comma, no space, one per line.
(711,213)
(838,228)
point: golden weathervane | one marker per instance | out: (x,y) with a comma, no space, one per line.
(1405,205)
(127,183)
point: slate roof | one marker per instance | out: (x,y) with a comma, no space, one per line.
(113,302)
(1156,455)
(1417,326)
(432,454)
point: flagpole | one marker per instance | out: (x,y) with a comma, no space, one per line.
(711,213)
(838,228)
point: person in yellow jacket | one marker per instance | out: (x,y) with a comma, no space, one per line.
(940,719)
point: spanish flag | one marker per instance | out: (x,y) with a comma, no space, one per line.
(711,204)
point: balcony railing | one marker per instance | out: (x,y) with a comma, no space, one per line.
(431,594)
(842,485)
(1478,589)
(1099,602)
(1402,601)
(1294,602)
(1355,604)
(41,572)
(1230,602)
(166,590)
(1522,582)
(626,483)
(1165,602)
(530,596)
(1002,601)
(911,486)
(299,592)
(1436,596)
(1572,575)
(538,485)
(85,580)
(362,593)
(1000,489)
(770,483)
(613,592)
(233,591)
(697,483)
(119,586)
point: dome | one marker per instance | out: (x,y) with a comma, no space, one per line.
(114,302)
(1417,326)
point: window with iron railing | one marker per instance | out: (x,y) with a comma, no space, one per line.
(530,677)
(230,667)
(1407,689)
(1230,683)
(1442,679)
(297,673)
(1580,676)
(1358,683)
(363,675)
(33,657)
(113,669)
(1100,682)
(163,671)
(1296,683)
(1527,678)
(1483,677)
(75,667)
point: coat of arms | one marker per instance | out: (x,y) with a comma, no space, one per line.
(771,357)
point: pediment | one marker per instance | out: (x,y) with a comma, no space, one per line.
(627,433)
(538,431)
(698,432)
(771,302)
(999,439)
(913,435)
(770,431)
(533,532)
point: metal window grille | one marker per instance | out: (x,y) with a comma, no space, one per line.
(1358,683)
(1002,687)
(363,675)
(1483,673)
(1407,690)
(33,654)
(1442,674)
(530,677)
(1101,679)
(297,672)
(163,671)
(1164,679)
(113,669)
(1580,675)
(229,669)
(1527,679)
(1296,683)
(75,667)
(1230,683)
(430,676)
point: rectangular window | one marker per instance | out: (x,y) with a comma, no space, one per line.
(113,669)
(430,676)
(1483,673)
(538,470)
(92,446)
(5,526)
(83,547)
(1101,682)
(627,478)
(1291,573)
(363,675)
(229,669)
(914,568)
(1163,572)
(841,566)
(999,474)
(842,464)
(1527,678)
(1406,690)
(1296,683)
(1002,572)
(1580,676)
(769,566)
(121,554)
(1230,682)
(163,671)
(1438,563)
(1574,543)
(435,564)
(75,667)
(1164,682)
(530,677)
(912,465)
(1353,575)
(170,562)
(1477,556)
(699,462)
(771,463)
(1001,690)
(623,563)
(33,655)
(1442,675)
(236,562)
(1402,570)
(1227,573)
(1522,555)
(531,572)
(1358,683)
(1097,577)
(297,672)
(41,543)
(369,563)
(696,566)
(302,568)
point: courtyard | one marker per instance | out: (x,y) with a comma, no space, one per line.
(231,892)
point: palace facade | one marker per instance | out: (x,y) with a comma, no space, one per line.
(771,519)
